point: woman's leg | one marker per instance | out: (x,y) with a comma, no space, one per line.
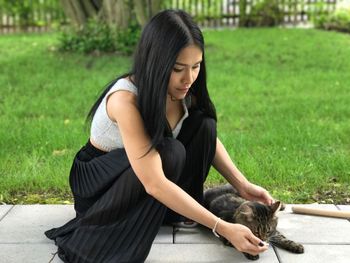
(198,135)
(121,225)
(199,139)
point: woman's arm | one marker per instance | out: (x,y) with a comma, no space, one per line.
(121,107)
(225,166)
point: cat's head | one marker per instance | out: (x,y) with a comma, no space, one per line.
(259,218)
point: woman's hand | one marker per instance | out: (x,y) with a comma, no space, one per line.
(241,238)
(256,193)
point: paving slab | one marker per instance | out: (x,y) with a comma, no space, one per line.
(325,239)
(344,207)
(196,235)
(28,253)
(309,229)
(165,235)
(212,248)
(27,223)
(318,254)
(202,253)
(3,210)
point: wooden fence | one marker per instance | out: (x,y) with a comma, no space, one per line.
(41,15)
(30,15)
(226,13)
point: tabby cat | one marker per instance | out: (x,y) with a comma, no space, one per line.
(224,202)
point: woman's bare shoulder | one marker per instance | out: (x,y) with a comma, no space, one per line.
(122,108)
(120,103)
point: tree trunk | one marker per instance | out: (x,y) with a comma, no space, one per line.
(145,9)
(139,7)
(154,6)
(116,13)
(79,11)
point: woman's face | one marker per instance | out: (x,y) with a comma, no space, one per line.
(185,71)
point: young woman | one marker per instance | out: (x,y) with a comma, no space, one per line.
(153,139)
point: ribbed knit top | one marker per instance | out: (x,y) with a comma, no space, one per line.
(105,132)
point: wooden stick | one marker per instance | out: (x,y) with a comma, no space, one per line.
(320,212)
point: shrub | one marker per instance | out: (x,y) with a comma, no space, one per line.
(99,37)
(263,14)
(127,39)
(338,21)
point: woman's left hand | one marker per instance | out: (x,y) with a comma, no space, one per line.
(256,193)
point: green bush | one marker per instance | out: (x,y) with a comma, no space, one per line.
(99,37)
(263,14)
(338,21)
(127,39)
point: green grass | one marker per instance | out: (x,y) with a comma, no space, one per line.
(282,97)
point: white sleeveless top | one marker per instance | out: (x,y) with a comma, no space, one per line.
(105,132)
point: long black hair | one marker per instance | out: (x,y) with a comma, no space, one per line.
(165,35)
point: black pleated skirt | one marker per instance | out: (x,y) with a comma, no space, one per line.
(116,220)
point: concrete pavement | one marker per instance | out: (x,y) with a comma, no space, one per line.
(325,239)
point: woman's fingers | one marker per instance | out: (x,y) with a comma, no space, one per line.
(251,244)
(252,249)
(254,240)
(268,198)
(244,240)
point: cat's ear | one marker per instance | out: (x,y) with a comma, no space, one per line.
(275,207)
(247,212)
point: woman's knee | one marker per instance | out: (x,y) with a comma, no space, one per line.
(208,125)
(206,132)
(173,155)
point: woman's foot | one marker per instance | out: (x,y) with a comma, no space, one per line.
(185,223)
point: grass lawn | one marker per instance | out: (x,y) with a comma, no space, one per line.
(282,97)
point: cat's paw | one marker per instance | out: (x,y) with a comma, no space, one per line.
(251,257)
(297,249)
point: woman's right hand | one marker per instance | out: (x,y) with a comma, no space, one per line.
(241,238)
